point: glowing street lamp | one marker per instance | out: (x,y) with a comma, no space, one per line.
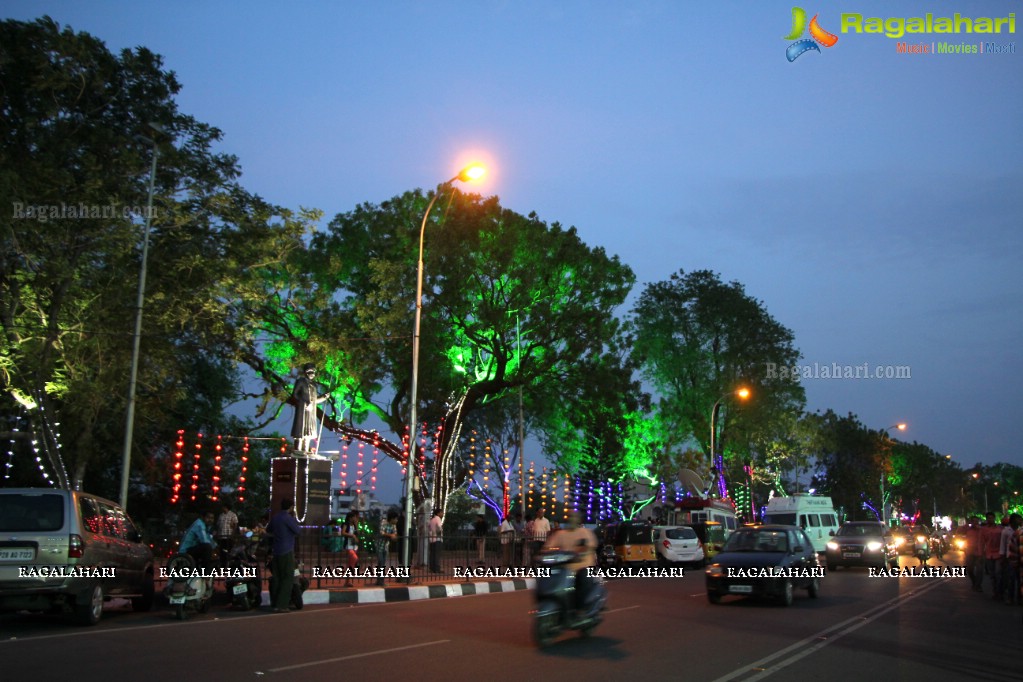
(469,173)
(743,394)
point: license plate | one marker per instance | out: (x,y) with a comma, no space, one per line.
(177,600)
(17,554)
(851,555)
(741,589)
(240,588)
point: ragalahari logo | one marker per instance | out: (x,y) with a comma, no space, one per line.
(819,35)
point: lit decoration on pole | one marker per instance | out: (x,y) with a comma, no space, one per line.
(217,457)
(179,454)
(243,476)
(195,466)
(344,466)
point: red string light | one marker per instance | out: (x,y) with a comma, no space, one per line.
(217,457)
(195,466)
(179,453)
(245,470)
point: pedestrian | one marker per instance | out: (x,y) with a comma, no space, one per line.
(990,537)
(527,540)
(387,532)
(541,529)
(227,531)
(507,533)
(284,529)
(480,530)
(436,537)
(1012,561)
(520,531)
(350,543)
(975,553)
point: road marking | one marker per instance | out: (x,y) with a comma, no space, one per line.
(624,608)
(362,655)
(822,638)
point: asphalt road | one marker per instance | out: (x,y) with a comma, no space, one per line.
(861,628)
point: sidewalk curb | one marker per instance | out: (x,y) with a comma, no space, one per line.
(380,595)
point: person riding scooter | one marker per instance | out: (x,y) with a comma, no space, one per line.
(575,537)
(198,543)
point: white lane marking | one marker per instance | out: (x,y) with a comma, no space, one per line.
(624,608)
(824,637)
(362,655)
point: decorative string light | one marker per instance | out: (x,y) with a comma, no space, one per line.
(245,468)
(344,465)
(178,469)
(218,451)
(195,466)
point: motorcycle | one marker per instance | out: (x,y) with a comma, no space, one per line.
(187,589)
(244,584)
(939,544)
(922,548)
(298,587)
(557,609)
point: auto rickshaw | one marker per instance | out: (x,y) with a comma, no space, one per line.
(633,543)
(712,535)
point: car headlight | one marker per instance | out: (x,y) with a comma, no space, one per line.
(833,546)
(960,543)
(874,546)
(921,538)
(899,540)
(715,570)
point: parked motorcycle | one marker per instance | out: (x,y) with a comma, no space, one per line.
(245,585)
(557,607)
(187,590)
(922,548)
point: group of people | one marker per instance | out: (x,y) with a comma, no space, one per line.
(993,556)
(522,540)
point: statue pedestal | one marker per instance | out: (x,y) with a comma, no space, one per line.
(307,483)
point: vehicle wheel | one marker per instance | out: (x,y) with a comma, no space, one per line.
(88,612)
(714,597)
(787,593)
(144,602)
(242,602)
(814,589)
(255,597)
(179,611)
(545,629)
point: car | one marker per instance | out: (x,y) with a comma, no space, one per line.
(69,551)
(678,545)
(862,543)
(770,561)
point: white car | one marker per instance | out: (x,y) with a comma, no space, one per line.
(678,545)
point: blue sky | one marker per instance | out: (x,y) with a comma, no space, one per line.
(870,199)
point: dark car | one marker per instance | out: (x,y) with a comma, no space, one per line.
(765,561)
(862,543)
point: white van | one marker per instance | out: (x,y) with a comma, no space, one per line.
(815,515)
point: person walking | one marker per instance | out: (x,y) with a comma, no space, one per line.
(350,543)
(387,533)
(436,537)
(284,529)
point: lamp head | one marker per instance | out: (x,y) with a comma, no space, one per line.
(472,172)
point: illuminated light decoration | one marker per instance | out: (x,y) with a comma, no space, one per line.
(486,466)
(195,466)
(373,467)
(532,485)
(218,450)
(358,469)
(178,470)
(284,446)
(344,465)
(589,504)
(472,456)
(242,477)
(543,489)
(9,464)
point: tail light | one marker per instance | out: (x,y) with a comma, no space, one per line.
(75,546)
(667,545)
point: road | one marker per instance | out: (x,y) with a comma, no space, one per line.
(656,629)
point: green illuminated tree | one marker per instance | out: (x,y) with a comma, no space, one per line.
(77,179)
(508,301)
(698,339)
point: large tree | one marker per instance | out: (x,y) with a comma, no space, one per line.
(508,301)
(75,167)
(698,340)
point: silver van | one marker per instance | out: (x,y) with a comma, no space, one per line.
(66,551)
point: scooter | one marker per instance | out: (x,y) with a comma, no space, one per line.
(922,548)
(557,609)
(244,584)
(187,590)
(939,544)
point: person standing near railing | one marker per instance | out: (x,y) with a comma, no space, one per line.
(387,533)
(481,528)
(436,537)
(507,533)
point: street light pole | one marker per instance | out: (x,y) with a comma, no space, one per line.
(742,393)
(129,425)
(901,426)
(468,173)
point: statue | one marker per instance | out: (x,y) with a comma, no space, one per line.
(303,428)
